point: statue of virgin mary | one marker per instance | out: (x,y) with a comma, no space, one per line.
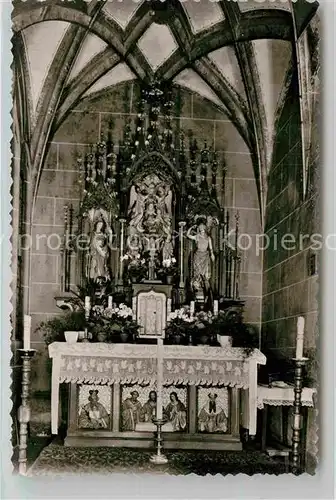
(98,257)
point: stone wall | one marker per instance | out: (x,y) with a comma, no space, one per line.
(59,186)
(289,284)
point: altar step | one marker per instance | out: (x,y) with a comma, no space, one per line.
(145,440)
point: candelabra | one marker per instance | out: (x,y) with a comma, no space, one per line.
(24,409)
(297,417)
(159,458)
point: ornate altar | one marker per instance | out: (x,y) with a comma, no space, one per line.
(201,396)
(150,212)
(151,234)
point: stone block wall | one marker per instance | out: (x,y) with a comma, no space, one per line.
(290,275)
(59,186)
(290,285)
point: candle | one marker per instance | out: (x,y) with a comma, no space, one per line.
(299,337)
(215,307)
(110,301)
(26,332)
(87,307)
(192,307)
(159,378)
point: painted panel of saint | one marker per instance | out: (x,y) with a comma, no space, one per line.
(94,407)
(139,406)
(213,410)
(176,413)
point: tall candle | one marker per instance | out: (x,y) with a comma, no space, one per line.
(192,307)
(299,337)
(87,307)
(159,378)
(110,302)
(215,307)
(26,332)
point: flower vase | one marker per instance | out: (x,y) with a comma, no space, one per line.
(133,279)
(101,337)
(169,280)
(204,339)
(124,337)
(177,339)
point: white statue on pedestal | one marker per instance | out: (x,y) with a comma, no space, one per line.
(98,256)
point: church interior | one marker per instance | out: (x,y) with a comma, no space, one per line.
(165,190)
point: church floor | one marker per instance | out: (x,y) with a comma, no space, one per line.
(55,459)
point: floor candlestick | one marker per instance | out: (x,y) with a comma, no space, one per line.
(24,409)
(297,417)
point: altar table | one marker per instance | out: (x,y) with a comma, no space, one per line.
(110,364)
(284,397)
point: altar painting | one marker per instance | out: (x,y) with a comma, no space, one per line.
(213,410)
(139,403)
(94,407)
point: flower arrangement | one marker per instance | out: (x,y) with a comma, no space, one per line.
(168,268)
(180,324)
(169,264)
(107,323)
(53,329)
(136,266)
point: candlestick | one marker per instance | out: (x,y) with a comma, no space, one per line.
(26,332)
(159,378)
(215,307)
(110,302)
(159,458)
(87,308)
(181,242)
(297,417)
(121,265)
(299,337)
(24,409)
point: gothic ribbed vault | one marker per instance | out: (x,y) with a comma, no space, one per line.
(225,51)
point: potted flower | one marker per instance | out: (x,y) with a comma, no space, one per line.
(203,326)
(220,329)
(168,271)
(137,268)
(53,329)
(110,323)
(180,325)
(246,337)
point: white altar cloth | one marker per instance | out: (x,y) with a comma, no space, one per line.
(283,396)
(99,363)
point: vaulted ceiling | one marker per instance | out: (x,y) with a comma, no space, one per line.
(239,55)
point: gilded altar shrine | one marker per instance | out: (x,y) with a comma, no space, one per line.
(160,262)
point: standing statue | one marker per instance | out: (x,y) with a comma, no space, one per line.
(167,249)
(203,256)
(98,257)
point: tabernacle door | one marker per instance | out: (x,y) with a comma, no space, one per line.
(151,313)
